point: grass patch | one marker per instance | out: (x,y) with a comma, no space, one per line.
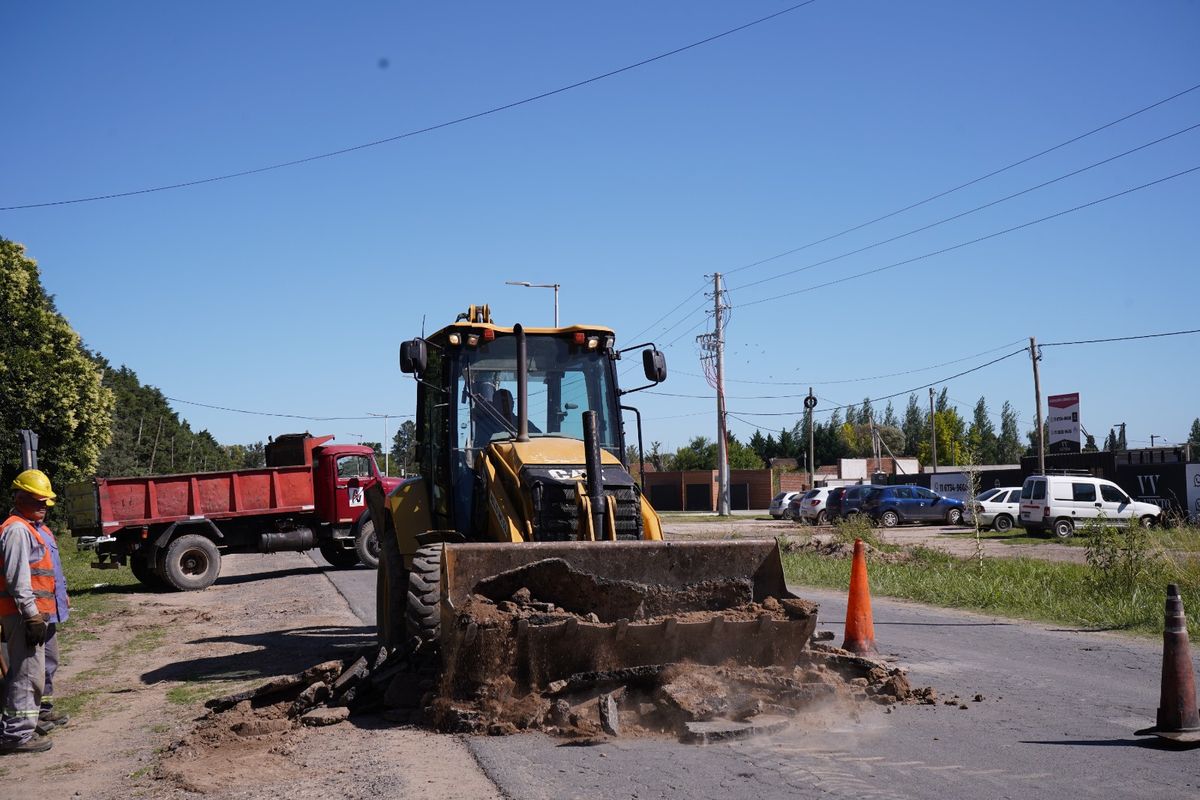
(146,641)
(194,692)
(75,704)
(1070,594)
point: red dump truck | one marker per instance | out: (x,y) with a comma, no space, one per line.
(172,529)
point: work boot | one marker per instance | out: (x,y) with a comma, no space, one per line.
(56,719)
(36,744)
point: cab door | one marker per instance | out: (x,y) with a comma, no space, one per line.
(353,474)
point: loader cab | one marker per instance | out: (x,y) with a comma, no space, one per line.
(469,384)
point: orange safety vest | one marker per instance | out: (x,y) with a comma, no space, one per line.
(41,576)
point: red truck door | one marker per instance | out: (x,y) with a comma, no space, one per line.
(354,474)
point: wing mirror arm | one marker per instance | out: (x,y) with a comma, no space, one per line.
(654,364)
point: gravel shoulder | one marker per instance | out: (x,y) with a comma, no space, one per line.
(957,541)
(142,674)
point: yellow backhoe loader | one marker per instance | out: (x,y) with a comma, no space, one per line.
(534,498)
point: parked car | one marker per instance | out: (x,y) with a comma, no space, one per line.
(810,507)
(779,504)
(833,503)
(855,496)
(1060,503)
(998,509)
(890,506)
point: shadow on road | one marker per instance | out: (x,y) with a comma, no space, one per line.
(1150,744)
(275,653)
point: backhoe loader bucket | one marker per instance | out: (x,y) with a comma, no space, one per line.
(545,612)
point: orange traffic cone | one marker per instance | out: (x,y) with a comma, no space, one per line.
(1177,719)
(860,630)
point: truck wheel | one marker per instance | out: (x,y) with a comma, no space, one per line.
(366,544)
(145,572)
(337,555)
(423,610)
(191,562)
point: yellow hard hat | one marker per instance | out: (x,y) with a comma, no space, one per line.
(36,483)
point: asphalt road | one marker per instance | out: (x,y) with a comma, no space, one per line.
(1057,714)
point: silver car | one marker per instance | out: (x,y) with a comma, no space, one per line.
(811,507)
(779,504)
(998,509)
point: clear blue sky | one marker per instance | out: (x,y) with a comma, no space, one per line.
(289,291)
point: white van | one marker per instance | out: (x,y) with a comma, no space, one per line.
(1060,503)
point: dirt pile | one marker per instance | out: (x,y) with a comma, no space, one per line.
(831,546)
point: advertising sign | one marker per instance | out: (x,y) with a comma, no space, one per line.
(1193,492)
(951,484)
(1063,422)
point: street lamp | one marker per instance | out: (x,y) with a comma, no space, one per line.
(529,285)
(386,445)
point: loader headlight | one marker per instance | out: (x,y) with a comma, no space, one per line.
(593,342)
(455,339)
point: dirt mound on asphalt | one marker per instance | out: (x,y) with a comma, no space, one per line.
(831,546)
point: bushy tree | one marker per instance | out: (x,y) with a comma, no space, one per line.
(915,425)
(699,453)
(981,436)
(1008,445)
(48,382)
(740,456)
(1194,435)
(404,447)
(951,440)
(889,416)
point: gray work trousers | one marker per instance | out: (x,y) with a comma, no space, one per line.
(26,681)
(51,648)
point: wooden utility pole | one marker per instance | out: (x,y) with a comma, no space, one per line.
(1037,394)
(154,449)
(722,453)
(809,405)
(933,429)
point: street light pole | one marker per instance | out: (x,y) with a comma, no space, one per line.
(529,285)
(387,466)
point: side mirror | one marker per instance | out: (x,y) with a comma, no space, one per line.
(414,356)
(655,364)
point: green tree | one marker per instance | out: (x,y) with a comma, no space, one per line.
(1110,443)
(404,447)
(740,456)
(758,444)
(1008,445)
(48,382)
(699,453)
(1090,445)
(889,416)
(1194,436)
(915,425)
(951,440)
(981,437)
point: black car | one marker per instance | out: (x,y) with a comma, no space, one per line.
(855,497)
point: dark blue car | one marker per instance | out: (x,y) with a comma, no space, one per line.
(890,506)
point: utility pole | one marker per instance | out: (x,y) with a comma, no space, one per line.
(387,445)
(1037,395)
(933,429)
(722,454)
(810,403)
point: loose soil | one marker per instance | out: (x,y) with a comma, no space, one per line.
(142,674)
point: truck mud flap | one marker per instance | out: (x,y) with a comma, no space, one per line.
(545,612)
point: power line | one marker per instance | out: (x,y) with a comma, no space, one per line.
(972,182)
(960,215)
(1121,338)
(976,240)
(276,414)
(419,131)
(669,313)
(863,380)
(889,396)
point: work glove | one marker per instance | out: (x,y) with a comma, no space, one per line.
(35,630)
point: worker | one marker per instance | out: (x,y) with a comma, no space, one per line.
(30,595)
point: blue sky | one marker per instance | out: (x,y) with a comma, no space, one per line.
(289,291)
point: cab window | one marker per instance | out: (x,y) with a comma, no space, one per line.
(1112,494)
(1083,492)
(354,467)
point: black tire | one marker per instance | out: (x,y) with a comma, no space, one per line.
(1146,521)
(145,572)
(889,519)
(337,555)
(191,562)
(1003,523)
(822,517)
(366,544)
(954,517)
(1063,528)
(391,592)
(422,612)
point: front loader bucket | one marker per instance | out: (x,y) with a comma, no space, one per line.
(545,612)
